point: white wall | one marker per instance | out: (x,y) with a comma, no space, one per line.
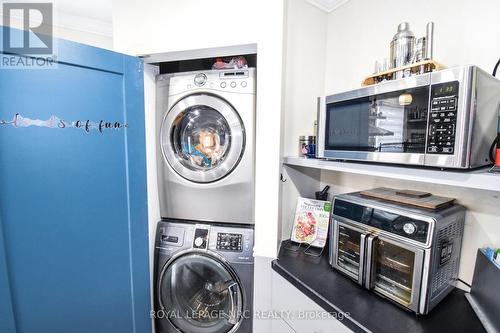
(84,37)
(306,28)
(155,26)
(359,32)
(82,21)
(305,57)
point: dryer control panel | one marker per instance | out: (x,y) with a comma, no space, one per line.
(226,81)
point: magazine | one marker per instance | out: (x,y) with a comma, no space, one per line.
(311,221)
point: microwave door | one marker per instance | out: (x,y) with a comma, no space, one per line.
(349,252)
(394,270)
(383,126)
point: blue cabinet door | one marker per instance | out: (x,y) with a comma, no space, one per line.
(73,205)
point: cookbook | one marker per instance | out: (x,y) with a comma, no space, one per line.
(311,221)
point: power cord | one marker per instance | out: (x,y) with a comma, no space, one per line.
(493,148)
(496,68)
(468,285)
(495,142)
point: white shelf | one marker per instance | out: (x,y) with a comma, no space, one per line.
(478,179)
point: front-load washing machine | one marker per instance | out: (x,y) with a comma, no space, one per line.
(203,278)
(205,126)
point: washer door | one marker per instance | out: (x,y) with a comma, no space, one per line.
(202,138)
(199,293)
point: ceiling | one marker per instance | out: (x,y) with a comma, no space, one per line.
(327,5)
(94,16)
(94,9)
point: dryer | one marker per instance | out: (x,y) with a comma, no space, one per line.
(205,127)
(203,278)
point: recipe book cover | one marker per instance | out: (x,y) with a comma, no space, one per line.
(311,222)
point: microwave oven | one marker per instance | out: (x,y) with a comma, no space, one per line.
(444,119)
(408,255)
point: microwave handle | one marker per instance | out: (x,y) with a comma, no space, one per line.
(369,261)
(361,259)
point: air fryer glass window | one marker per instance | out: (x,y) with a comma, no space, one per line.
(201,138)
(194,291)
(394,268)
(349,250)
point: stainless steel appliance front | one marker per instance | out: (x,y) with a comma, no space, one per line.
(407,255)
(203,278)
(205,147)
(442,119)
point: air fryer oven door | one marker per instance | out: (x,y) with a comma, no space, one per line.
(394,270)
(349,250)
(200,293)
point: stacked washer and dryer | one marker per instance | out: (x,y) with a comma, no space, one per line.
(204,244)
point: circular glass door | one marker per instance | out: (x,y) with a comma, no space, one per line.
(202,138)
(200,294)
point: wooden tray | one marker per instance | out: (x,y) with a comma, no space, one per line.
(430,65)
(409,197)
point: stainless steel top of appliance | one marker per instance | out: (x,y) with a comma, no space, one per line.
(441,119)
(413,225)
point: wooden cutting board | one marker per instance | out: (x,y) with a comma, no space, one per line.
(409,197)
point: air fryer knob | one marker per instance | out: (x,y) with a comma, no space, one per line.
(410,228)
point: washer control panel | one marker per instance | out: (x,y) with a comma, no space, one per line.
(170,236)
(229,242)
(234,243)
(443,119)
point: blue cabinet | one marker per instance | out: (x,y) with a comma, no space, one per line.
(73,205)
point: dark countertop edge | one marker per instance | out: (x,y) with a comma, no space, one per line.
(368,312)
(348,321)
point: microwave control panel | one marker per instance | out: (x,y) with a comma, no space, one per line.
(443,118)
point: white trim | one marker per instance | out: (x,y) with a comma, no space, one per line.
(327,5)
(479,179)
(73,22)
(82,23)
(224,51)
